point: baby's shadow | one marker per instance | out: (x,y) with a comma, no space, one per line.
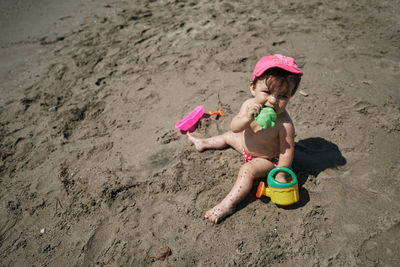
(314,155)
(311,157)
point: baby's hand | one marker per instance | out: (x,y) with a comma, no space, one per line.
(281,177)
(253,110)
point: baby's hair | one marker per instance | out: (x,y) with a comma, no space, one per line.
(276,77)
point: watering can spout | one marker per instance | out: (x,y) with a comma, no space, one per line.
(263,190)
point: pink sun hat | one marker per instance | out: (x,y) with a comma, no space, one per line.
(275,61)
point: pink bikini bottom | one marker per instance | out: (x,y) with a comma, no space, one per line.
(247,158)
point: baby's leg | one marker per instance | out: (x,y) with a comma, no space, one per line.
(257,168)
(217,142)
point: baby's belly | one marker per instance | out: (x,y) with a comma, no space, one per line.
(260,146)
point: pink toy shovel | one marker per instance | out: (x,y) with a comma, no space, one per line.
(191,119)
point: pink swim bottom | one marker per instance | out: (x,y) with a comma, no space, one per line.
(247,158)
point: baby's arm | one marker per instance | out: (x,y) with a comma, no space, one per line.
(286,143)
(245,116)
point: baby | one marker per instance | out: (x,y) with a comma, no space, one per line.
(275,81)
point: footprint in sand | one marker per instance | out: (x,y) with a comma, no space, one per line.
(168,137)
(99,240)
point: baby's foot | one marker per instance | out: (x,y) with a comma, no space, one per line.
(197,142)
(219,212)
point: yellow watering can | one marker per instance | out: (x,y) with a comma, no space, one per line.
(283,194)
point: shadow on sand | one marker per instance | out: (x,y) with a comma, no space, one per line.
(314,155)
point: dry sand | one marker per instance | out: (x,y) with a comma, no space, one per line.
(93,173)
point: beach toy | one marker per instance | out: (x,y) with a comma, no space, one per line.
(267,116)
(283,194)
(218,112)
(190,120)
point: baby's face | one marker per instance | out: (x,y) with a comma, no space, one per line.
(274,97)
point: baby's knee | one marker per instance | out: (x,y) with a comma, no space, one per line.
(234,140)
(247,170)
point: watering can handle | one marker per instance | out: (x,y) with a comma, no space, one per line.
(274,183)
(281,169)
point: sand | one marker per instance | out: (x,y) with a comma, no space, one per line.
(93,172)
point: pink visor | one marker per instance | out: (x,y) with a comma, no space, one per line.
(275,61)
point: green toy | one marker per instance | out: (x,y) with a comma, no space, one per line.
(267,116)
